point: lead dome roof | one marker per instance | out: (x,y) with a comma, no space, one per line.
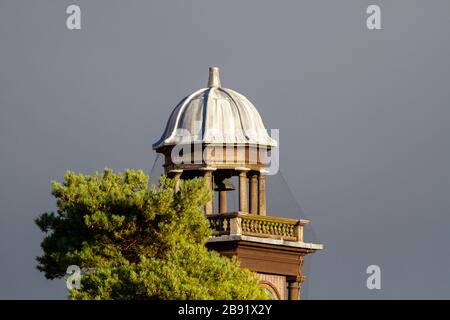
(215,115)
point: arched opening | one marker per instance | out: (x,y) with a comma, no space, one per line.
(270,290)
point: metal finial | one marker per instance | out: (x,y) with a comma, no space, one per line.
(214,78)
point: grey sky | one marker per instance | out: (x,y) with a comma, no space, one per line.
(363,118)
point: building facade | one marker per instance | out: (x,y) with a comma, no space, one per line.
(217,133)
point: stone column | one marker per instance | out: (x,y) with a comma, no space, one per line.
(294,285)
(222,201)
(209,180)
(293,288)
(262,193)
(243,204)
(176,174)
(253,192)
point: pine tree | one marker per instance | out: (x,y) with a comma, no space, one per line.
(135,242)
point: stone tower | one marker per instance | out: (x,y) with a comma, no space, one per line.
(218,134)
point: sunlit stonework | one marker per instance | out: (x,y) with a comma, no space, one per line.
(227,121)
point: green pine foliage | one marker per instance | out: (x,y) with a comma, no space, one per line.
(132,242)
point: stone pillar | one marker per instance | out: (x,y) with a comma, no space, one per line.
(236,226)
(176,174)
(298,231)
(262,193)
(222,201)
(294,289)
(209,180)
(253,192)
(243,204)
(294,284)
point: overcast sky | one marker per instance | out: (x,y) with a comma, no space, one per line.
(363,118)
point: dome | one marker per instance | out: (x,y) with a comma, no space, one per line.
(215,115)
